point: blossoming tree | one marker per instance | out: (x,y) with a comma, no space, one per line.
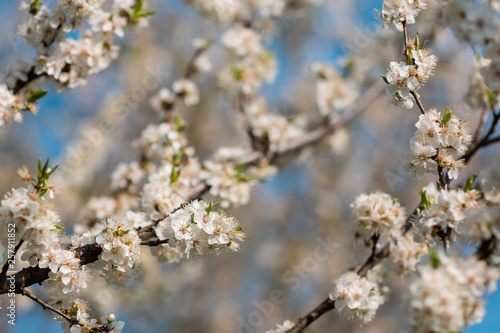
(168,201)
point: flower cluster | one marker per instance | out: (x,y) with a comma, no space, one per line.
(248,73)
(166,189)
(228,11)
(99,208)
(405,254)
(10,107)
(440,141)
(490,183)
(483,225)
(333,93)
(60,59)
(120,249)
(270,8)
(404,78)
(187,90)
(274,130)
(78,311)
(477,94)
(66,277)
(162,142)
(227,183)
(126,175)
(398,11)
(376,214)
(252,64)
(446,214)
(223,11)
(477,24)
(34,222)
(120,244)
(357,297)
(197,230)
(446,297)
(241,41)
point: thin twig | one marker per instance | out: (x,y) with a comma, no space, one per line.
(154,243)
(191,65)
(405,34)
(486,140)
(303,322)
(482,122)
(46,306)
(419,102)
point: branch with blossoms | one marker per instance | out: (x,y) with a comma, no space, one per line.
(60,60)
(90,253)
(165,199)
(170,219)
(442,146)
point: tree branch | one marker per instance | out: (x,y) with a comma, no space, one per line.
(419,102)
(373,260)
(5,267)
(486,140)
(155,242)
(90,253)
(46,306)
(303,322)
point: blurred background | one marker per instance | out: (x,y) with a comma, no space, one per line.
(301,212)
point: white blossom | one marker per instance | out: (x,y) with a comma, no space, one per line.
(448,297)
(357,297)
(399,11)
(376,214)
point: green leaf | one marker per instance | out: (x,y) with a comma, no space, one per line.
(237,73)
(53,169)
(35,95)
(137,7)
(243,178)
(181,126)
(417,41)
(174,175)
(410,59)
(177,158)
(491,97)
(44,173)
(59,228)
(238,229)
(34,6)
(138,12)
(39,169)
(469,183)
(144,14)
(210,207)
(434,258)
(240,168)
(240,176)
(350,65)
(427,200)
(46,166)
(446,116)
(385,79)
